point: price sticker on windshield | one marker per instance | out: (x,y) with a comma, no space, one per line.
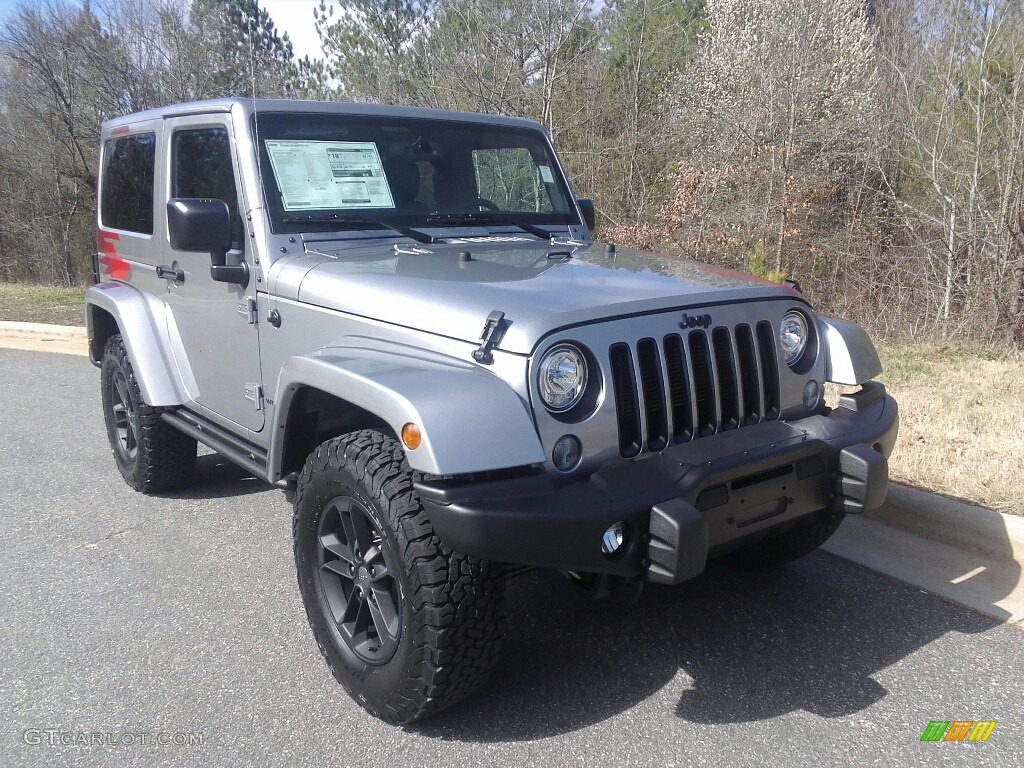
(314,175)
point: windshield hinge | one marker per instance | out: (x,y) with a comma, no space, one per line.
(494,329)
(254,392)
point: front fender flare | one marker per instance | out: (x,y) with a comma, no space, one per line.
(471,420)
(142,323)
(851,356)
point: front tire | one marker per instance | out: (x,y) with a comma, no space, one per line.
(407,626)
(152,456)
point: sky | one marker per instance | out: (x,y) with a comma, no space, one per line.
(292,16)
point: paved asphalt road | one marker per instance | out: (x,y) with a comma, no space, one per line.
(126,614)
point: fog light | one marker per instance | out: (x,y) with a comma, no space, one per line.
(614,538)
(812,395)
(567,453)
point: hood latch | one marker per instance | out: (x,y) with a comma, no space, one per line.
(494,329)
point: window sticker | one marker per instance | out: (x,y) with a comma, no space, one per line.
(545,173)
(329,174)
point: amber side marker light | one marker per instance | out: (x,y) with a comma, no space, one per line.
(411,436)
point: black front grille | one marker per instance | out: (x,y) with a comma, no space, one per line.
(678,389)
(627,405)
(654,393)
(693,385)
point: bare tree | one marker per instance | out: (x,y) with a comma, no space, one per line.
(649,44)
(63,74)
(961,141)
(873,150)
(780,116)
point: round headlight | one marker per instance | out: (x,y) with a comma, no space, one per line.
(562,377)
(793,336)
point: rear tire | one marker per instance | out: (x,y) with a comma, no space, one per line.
(776,550)
(153,456)
(407,626)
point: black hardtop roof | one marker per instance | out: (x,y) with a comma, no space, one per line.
(296,105)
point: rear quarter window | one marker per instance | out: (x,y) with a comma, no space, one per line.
(126,197)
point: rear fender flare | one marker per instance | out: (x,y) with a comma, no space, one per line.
(141,321)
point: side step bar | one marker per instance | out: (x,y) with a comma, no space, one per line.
(250,457)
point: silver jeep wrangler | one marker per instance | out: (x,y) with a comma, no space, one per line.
(398,316)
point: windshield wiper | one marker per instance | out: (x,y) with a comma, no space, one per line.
(334,221)
(487,218)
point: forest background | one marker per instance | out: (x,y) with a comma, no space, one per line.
(871,149)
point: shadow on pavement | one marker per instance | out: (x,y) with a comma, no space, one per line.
(217,478)
(755,646)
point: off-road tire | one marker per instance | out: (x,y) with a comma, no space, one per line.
(450,605)
(157,458)
(777,549)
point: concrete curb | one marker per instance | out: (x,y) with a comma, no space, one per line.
(35,330)
(42,337)
(959,524)
(967,554)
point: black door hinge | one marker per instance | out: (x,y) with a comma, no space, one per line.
(494,329)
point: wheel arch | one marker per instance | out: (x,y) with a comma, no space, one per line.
(353,388)
(315,416)
(102,325)
(113,308)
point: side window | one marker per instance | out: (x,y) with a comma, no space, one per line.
(509,178)
(201,167)
(127,199)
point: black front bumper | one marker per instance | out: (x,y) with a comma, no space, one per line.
(678,508)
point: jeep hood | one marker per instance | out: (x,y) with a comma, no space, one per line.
(540,289)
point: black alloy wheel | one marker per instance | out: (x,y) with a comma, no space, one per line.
(124,414)
(357,583)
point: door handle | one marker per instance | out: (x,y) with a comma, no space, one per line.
(168,273)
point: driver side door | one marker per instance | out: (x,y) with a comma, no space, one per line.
(213,324)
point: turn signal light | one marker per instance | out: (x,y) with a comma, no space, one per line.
(411,436)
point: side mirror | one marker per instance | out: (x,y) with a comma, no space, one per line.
(198,224)
(586,206)
(202,224)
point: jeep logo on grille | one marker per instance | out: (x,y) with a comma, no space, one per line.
(695,321)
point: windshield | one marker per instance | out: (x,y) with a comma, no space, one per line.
(325,171)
